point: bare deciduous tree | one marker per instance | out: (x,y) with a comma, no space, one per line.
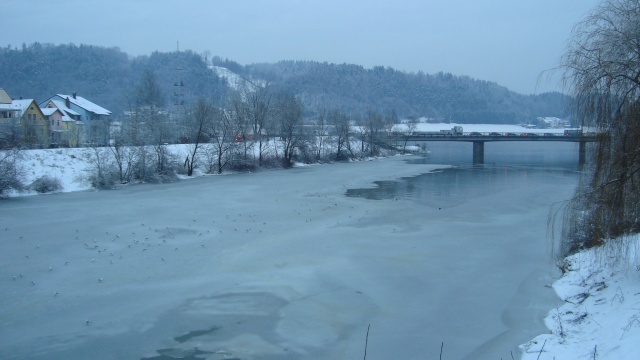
(124,155)
(222,137)
(321,133)
(602,71)
(412,124)
(103,174)
(11,173)
(289,116)
(241,123)
(373,125)
(197,127)
(342,125)
(258,108)
(11,133)
(154,129)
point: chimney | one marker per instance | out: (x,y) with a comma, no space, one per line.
(67,103)
(74,94)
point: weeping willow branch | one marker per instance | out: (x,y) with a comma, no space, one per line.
(602,71)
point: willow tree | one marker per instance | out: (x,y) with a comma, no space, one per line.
(602,71)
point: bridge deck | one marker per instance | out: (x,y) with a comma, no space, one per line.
(479,140)
(488,138)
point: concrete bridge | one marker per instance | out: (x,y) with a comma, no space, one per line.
(478,140)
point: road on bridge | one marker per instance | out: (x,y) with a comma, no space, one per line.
(478,139)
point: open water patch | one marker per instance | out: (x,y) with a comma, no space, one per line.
(193,334)
(454,186)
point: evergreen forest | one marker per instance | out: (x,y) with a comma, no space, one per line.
(109,77)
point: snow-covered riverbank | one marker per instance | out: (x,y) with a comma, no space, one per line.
(600,317)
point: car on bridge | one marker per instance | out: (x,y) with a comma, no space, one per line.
(572,132)
(475,133)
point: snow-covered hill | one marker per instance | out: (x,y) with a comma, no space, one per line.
(235,81)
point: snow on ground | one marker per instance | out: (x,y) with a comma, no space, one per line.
(70,166)
(600,317)
(234,80)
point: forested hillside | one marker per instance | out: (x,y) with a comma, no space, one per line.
(109,77)
(441,96)
(106,76)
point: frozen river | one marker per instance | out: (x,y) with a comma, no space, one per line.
(290,264)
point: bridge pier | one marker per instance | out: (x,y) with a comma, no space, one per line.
(582,153)
(478,152)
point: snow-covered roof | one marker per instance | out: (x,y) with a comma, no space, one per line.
(85,104)
(8,107)
(21,105)
(59,105)
(63,107)
(49,111)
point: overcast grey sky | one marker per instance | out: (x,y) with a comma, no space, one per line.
(510,42)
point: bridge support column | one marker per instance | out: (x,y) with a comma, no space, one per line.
(478,152)
(582,153)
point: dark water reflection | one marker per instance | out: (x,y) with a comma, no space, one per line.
(530,154)
(491,218)
(513,165)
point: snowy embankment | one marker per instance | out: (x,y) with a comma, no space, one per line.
(71,166)
(600,317)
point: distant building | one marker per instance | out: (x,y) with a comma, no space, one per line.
(6,110)
(554,122)
(35,132)
(94,117)
(10,129)
(65,127)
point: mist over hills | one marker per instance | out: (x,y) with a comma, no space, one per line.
(109,77)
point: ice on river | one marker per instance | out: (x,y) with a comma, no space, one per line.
(275,265)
